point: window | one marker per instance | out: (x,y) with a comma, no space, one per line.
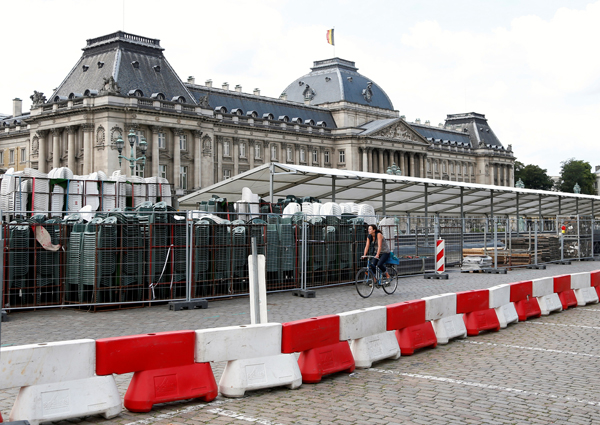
(302,155)
(139,170)
(11,156)
(162,171)
(257,151)
(1,157)
(226,174)
(183,142)
(289,154)
(444,167)
(451,168)
(161,141)
(428,165)
(342,157)
(465,169)
(315,156)
(326,157)
(242,150)
(226,149)
(183,177)
(22,154)
(436,166)
(273,152)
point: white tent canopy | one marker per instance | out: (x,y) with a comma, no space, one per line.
(394,195)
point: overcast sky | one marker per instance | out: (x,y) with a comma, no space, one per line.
(531,66)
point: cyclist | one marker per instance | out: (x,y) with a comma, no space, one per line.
(382,250)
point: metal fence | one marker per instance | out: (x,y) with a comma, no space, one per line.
(154,254)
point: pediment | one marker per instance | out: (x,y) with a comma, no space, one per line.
(399,130)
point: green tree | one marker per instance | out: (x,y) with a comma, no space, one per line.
(576,171)
(533,176)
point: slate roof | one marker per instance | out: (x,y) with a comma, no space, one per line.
(9,120)
(434,134)
(136,63)
(335,80)
(376,125)
(477,126)
(261,104)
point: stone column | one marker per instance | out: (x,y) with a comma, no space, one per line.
(197,134)
(412,164)
(155,151)
(219,148)
(380,168)
(176,157)
(56,147)
(424,165)
(365,160)
(369,160)
(71,130)
(251,153)
(42,150)
(88,151)
(236,156)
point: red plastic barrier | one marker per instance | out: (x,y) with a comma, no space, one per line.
(412,330)
(321,351)
(469,301)
(525,304)
(474,305)
(562,286)
(414,337)
(595,278)
(164,368)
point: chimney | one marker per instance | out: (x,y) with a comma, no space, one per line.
(208,83)
(17,107)
(238,88)
(307,102)
(283,96)
(418,121)
(257,92)
(191,80)
(427,122)
(225,86)
(441,125)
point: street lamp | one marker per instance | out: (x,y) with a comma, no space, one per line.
(394,170)
(133,139)
(519,184)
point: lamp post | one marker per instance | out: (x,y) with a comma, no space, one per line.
(394,170)
(133,139)
(519,184)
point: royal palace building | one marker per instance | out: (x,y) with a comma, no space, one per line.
(199,134)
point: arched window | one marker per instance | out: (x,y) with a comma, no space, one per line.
(302,155)
(274,152)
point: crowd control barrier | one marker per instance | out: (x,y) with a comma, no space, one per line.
(57,382)
(441,311)
(253,355)
(500,302)
(477,315)
(163,366)
(74,379)
(371,341)
(321,351)
(412,330)
(562,286)
(581,284)
(543,291)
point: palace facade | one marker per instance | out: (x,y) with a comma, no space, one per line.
(199,134)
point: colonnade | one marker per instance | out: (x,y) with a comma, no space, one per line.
(377,160)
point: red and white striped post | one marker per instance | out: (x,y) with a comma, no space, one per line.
(440,257)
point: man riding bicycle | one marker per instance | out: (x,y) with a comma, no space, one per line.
(375,238)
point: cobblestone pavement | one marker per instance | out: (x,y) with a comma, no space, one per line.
(540,371)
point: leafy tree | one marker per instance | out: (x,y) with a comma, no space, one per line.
(533,176)
(576,171)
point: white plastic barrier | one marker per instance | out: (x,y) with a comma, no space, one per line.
(371,342)
(581,284)
(500,302)
(253,356)
(58,382)
(543,290)
(441,311)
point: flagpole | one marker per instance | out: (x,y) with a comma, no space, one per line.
(334,42)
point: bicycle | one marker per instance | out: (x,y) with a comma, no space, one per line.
(365,281)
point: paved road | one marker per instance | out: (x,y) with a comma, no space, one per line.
(540,371)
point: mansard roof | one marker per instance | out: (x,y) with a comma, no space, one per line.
(476,126)
(232,100)
(135,63)
(336,80)
(437,134)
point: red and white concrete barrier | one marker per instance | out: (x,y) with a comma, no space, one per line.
(412,330)
(543,290)
(477,315)
(581,284)
(562,286)
(441,311)
(521,294)
(500,302)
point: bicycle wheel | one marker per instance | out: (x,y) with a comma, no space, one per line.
(364,282)
(391,286)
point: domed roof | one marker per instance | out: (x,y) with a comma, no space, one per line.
(335,80)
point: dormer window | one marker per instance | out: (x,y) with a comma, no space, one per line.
(89,92)
(156,68)
(178,99)
(252,114)
(85,68)
(284,118)
(100,64)
(136,93)
(237,111)
(322,124)
(309,122)
(221,110)
(297,120)
(268,116)
(158,96)
(135,64)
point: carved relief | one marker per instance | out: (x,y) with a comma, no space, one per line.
(368,92)
(309,93)
(206,145)
(35,146)
(110,86)
(398,131)
(115,133)
(100,138)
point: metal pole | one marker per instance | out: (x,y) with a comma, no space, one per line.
(578,236)
(518,217)
(1,273)
(332,188)
(462,224)
(426,213)
(492,204)
(255,285)
(271,177)
(592,229)
(304,245)
(188,254)
(383,196)
(495,243)
(535,250)
(436,225)
(559,206)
